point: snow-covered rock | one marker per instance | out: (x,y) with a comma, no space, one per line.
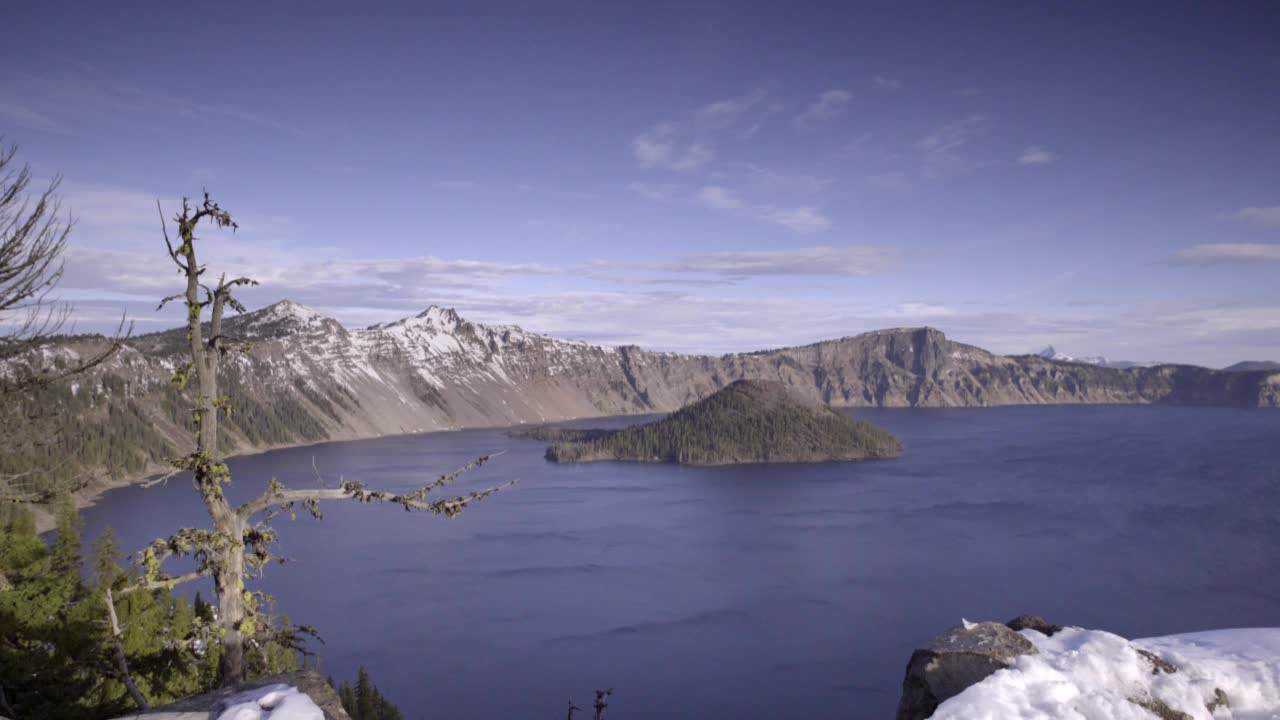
(273,702)
(299,695)
(1083,674)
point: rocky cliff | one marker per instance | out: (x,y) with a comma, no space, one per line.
(308,378)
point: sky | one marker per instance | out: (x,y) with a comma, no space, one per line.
(704,177)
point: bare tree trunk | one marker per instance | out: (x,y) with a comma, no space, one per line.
(229,585)
(206,467)
(122,664)
(222,552)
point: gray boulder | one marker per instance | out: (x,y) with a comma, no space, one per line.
(949,663)
(1033,622)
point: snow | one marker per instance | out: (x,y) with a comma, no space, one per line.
(1094,675)
(272,702)
(1050,353)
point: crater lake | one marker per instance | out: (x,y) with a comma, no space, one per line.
(757,591)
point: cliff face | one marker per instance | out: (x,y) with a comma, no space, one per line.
(308,378)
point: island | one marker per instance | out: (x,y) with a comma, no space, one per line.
(748,421)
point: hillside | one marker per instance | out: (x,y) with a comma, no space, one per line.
(309,379)
(749,421)
(1254,366)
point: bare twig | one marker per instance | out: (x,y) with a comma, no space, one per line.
(122,664)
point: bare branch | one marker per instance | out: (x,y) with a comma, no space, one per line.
(166,583)
(277,494)
(173,255)
(122,664)
(160,479)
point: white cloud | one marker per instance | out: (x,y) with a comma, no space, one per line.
(886,83)
(1036,155)
(952,136)
(1238,253)
(922,310)
(716,196)
(940,150)
(661,147)
(829,105)
(1223,320)
(728,111)
(801,219)
(821,260)
(1255,215)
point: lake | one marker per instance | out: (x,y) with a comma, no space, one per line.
(760,591)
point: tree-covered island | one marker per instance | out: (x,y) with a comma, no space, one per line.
(748,421)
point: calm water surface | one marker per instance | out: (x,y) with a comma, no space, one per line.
(762,591)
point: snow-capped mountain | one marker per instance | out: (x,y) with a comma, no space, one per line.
(1049,353)
(309,378)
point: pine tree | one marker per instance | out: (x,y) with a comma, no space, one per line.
(106,559)
(364,697)
(204,610)
(66,548)
(348,698)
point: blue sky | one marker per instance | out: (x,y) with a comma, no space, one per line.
(715,178)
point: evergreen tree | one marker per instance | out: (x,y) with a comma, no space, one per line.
(66,548)
(364,697)
(204,611)
(348,698)
(365,701)
(49,639)
(106,559)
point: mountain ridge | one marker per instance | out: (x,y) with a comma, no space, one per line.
(309,379)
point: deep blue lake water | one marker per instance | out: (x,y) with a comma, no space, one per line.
(762,591)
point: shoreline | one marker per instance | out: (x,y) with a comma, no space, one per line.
(89,495)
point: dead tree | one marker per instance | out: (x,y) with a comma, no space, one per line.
(33,237)
(238,544)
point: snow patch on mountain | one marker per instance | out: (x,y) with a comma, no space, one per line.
(1049,353)
(288,311)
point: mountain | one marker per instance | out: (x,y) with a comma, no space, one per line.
(309,379)
(1049,353)
(747,421)
(1253,366)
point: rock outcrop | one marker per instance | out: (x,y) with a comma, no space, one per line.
(962,656)
(1100,667)
(1033,622)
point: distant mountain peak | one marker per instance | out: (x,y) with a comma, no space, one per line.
(290,310)
(1049,353)
(440,316)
